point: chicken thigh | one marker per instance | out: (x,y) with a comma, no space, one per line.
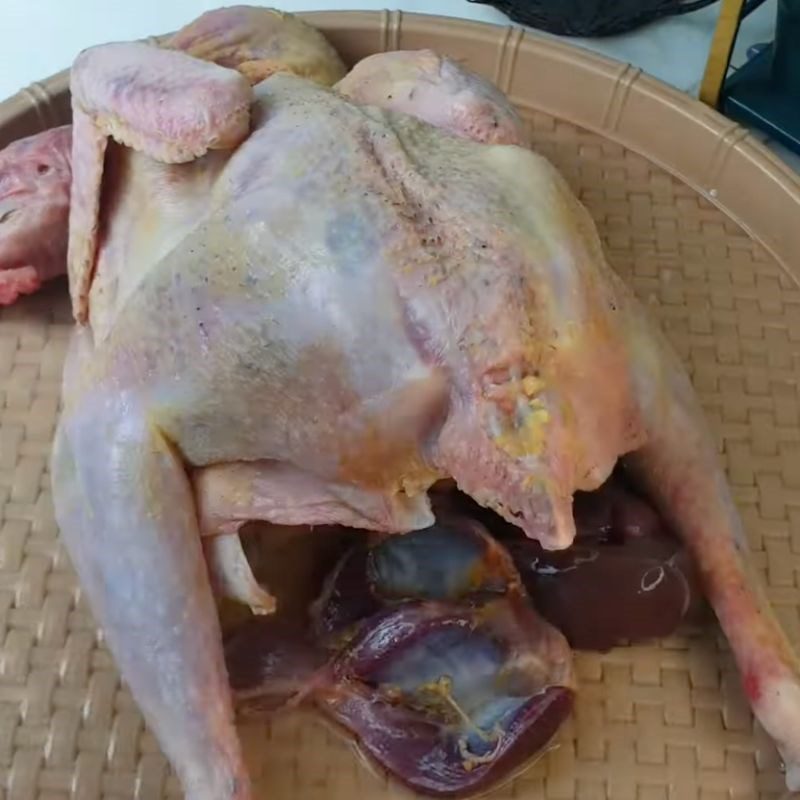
(425,651)
(439,308)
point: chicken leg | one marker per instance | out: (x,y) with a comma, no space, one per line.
(135,545)
(680,471)
(174,108)
(437,90)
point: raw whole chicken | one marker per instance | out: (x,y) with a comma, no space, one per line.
(308,305)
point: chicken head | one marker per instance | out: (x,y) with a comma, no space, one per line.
(35,177)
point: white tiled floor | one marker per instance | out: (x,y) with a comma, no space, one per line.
(42,36)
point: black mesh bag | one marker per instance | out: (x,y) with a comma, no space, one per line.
(591,17)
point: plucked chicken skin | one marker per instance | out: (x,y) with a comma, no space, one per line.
(36,172)
(307,305)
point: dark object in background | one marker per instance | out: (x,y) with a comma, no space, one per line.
(765,92)
(591,17)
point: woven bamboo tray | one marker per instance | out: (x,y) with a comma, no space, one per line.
(703,222)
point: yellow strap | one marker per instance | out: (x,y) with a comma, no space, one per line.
(719,56)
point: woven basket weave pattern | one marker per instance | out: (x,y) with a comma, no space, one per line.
(659,722)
